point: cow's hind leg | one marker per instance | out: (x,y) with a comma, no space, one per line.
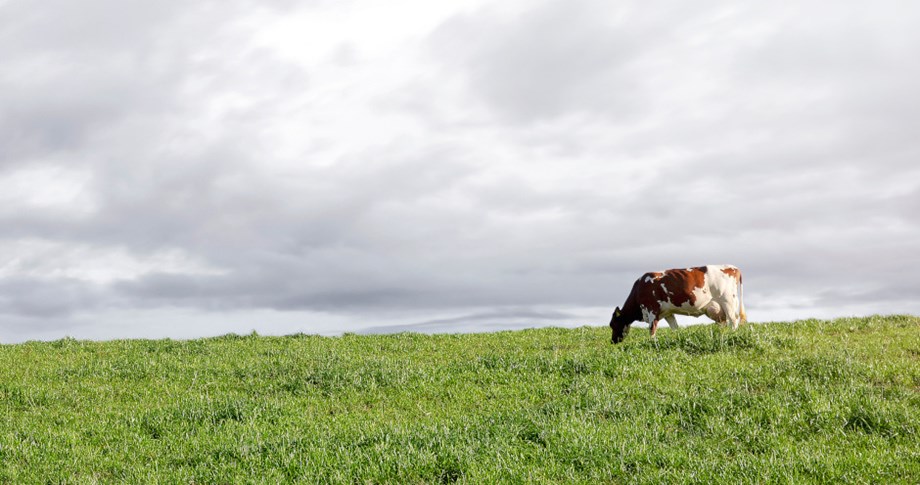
(728,308)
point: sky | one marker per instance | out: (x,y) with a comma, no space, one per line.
(184,169)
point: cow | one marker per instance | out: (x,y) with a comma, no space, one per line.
(712,290)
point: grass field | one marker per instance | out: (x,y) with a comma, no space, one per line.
(809,401)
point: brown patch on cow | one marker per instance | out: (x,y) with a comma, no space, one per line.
(733,272)
(680,283)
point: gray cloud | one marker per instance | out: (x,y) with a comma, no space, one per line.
(47,299)
(534,65)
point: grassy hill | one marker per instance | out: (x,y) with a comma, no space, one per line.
(819,401)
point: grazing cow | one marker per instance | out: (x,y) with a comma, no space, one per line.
(713,290)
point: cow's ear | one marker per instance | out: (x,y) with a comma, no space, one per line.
(616,312)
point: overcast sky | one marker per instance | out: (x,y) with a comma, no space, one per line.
(182,169)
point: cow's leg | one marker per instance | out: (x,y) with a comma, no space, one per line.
(672,322)
(651,317)
(728,308)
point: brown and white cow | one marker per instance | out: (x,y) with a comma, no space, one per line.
(713,290)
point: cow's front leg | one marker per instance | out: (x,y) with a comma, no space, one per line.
(672,322)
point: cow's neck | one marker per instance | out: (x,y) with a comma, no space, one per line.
(631,310)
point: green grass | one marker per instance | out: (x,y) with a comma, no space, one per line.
(808,401)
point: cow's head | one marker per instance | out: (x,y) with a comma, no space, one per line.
(619,325)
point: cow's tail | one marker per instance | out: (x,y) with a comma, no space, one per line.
(741,298)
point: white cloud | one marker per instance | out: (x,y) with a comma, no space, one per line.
(49,260)
(46,188)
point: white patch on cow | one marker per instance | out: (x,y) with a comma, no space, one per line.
(647,316)
(724,290)
(668,308)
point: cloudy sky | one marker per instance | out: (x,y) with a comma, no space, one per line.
(181,169)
